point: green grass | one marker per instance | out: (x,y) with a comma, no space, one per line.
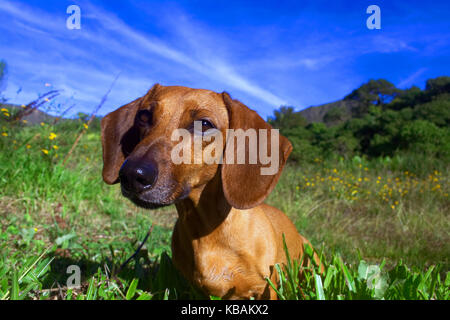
(53,216)
(339,281)
(385,213)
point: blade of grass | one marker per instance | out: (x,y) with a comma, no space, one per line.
(348,277)
(166,294)
(132,289)
(319,288)
(90,295)
(5,296)
(15,287)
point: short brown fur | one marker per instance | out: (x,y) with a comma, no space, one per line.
(225,241)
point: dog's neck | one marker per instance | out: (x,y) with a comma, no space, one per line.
(205,209)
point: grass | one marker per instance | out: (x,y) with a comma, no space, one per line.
(379,240)
(339,281)
(389,214)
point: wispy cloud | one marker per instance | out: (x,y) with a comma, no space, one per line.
(215,69)
(302,59)
(411,79)
(80,77)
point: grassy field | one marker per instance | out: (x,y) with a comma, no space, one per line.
(382,226)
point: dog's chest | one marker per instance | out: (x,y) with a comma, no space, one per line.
(223,273)
(225,263)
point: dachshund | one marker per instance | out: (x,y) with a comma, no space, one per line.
(226,241)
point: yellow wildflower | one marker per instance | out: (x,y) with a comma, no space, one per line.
(28,146)
(55,147)
(52,136)
(85,126)
(45,151)
(4,110)
(5,134)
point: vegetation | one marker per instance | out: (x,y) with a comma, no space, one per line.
(383,122)
(369,188)
(3,74)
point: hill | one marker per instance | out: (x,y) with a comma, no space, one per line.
(317,113)
(375,120)
(374,92)
(35,116)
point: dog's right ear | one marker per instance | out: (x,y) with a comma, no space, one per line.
(120,136)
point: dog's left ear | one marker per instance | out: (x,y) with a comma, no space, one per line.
(243,184)
(120,136)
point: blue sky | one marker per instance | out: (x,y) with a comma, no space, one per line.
(265,53)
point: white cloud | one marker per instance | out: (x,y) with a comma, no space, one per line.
(410,79)
(82,63)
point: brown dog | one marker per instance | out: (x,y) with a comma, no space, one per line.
(225,240)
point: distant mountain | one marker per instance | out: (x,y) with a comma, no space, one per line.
(376,119)
(317,113)
(357,103)
(35,117)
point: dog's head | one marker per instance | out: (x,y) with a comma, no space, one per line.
(174,140)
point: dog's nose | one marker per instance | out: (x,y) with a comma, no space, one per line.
(137,176)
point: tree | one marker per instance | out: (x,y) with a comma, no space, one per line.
(407,98)
(286,117)
(424,136)
(3,76)
(376,92)
(438,85)
(436,111)
(334,116)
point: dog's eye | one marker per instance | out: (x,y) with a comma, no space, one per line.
(202,126)
(206,125)
(144,118)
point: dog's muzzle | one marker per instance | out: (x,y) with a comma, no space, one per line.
(137,176)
